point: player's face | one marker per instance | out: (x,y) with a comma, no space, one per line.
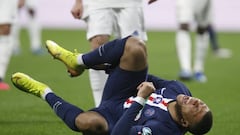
(192,109)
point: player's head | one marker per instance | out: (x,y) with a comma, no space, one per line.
(193,114)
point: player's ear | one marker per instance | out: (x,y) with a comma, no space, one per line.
(184,123)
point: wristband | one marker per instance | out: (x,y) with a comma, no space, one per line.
(140,100)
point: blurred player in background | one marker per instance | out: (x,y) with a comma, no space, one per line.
(214,43)
(105,18)
(188,11)
(8,12)
(33,27)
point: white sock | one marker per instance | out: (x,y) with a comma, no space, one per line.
(200,52)
(97,81)
(35,33)
(15,34)
(80,60)
(46,91)
(183,46)
(5,54)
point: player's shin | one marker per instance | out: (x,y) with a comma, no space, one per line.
(110,53)
(67,112)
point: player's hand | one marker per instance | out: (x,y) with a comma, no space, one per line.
(151,1)
(145,89)
(77,9)
(21,3)
(72,73)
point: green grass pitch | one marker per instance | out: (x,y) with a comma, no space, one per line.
(24,114)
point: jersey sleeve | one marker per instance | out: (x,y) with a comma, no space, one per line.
(157,82)
(127,120)
(173,87)
(153,127)
(128,124)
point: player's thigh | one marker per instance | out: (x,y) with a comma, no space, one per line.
(8,11)
(32,4)
(122,84)
(131,21)
(184,11)
(203,12)
(100,22)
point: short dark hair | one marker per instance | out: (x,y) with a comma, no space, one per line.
(203,126)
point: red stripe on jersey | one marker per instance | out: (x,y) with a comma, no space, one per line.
(151,98)
(164,103)
(129,101)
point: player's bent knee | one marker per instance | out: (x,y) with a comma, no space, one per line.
(135,47)
(98,40)
(135,55)
(201,30)
(5,29)
(91,122)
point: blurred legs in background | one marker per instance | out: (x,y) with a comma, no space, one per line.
(8,10)
(33,27)
(217,50)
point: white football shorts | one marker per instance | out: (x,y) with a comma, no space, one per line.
(119,22)
(31,4)
(8,11)
(198,11)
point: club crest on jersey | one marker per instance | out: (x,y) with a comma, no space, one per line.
(146,131)
(157,100)
(149,112)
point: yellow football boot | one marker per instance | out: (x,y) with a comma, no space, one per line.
(29,85)
(67,57)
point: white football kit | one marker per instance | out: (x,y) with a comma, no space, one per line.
(194,10)
(31,4)
(188,12)
(8,11)
(118,17)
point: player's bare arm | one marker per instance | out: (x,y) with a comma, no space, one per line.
(21,3)
(151,1)
(77,9)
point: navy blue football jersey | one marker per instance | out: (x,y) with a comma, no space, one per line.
(154,118)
